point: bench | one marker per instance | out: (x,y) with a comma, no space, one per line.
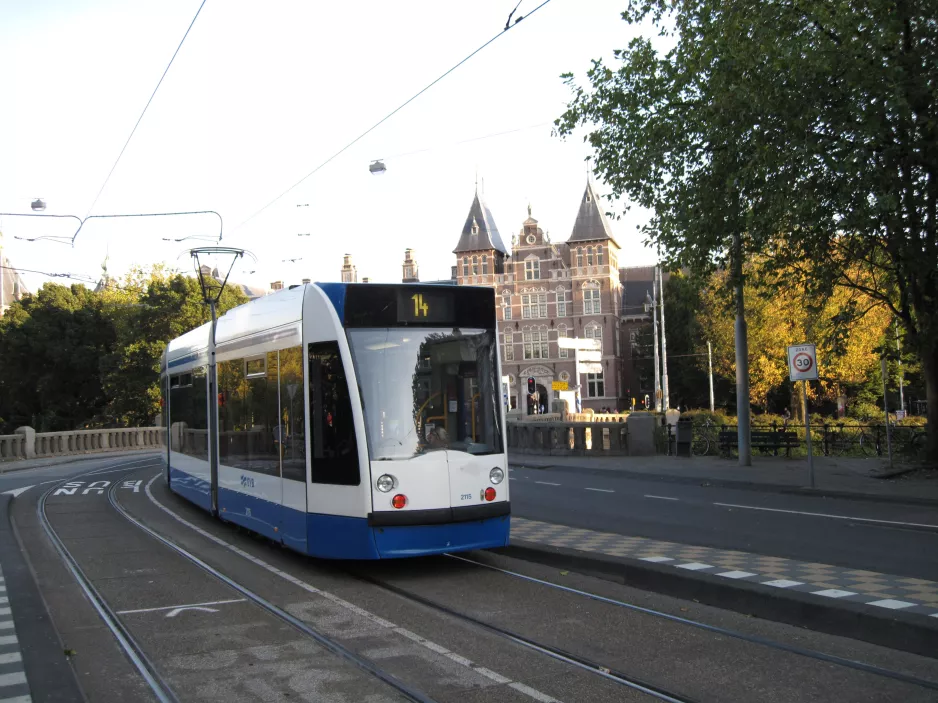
(766,440)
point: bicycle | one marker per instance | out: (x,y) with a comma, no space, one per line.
(704,435)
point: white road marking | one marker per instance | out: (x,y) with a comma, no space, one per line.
(10,658)
(17,699)
(833,593)
(432,646)
(782,583)
(17,677)
(547,483)
(832,517)
(601,490)
(695,566)
(7,639)
(17,491)
(657,559)
(175,607)
(5,611)
(661,497)
(6,625)
(736,574)
(892,604)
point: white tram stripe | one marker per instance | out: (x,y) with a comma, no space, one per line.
(403,632)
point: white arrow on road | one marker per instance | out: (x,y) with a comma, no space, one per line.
(175,611)
(16,491)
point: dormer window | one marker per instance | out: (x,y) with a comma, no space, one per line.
(475,226)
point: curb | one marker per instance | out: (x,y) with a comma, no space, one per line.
(741,485)
(857,621)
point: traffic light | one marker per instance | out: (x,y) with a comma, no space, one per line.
(531,386)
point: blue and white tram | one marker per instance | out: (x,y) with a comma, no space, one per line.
(350,421)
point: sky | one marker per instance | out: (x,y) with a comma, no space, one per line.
(260,95)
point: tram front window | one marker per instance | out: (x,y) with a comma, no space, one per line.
(428,389)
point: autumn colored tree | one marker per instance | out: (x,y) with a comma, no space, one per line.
(817,118)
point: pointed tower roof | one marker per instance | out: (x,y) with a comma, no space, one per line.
(591,224)
(479,232)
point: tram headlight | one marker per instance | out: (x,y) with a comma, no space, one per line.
(496,475)
(385,483)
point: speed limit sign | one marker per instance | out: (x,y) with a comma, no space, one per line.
(802,362)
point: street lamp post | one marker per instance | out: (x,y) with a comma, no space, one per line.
(212,285)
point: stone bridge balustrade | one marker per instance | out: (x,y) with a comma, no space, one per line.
(26,443)
(610,435)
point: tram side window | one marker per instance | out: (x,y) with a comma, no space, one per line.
(247,414)
(189,406)
(292,415)
(334,449)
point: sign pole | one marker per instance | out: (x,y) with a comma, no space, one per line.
(882,363)
(710,370)
(807,429)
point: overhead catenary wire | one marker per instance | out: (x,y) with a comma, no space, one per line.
(139,119)
(387,117)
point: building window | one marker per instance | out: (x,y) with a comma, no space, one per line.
(591,301)
(599,256)
(579,257)
(562,352)
(509,347)
(589,256)
(475,265)
(465,266)
(533,306)
(562,308)
(595,385)
(594,332)
(485,265)
(506,310)
(535,345)
(532,269)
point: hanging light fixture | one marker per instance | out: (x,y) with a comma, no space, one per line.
(38,205)
(377,167)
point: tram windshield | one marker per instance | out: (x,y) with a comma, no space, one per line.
(428,389)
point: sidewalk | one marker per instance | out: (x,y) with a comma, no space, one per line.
(849,477)
(886,609)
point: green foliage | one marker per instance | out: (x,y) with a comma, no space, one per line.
(807,130)
(75,358)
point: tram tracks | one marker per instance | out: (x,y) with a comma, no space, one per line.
(580,662)
(136,652)
(753,639)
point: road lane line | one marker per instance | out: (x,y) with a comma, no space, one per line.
(827,515)
(547,483)
(173,607)
(309,588)
(601,490)
(661,497)
(834,593)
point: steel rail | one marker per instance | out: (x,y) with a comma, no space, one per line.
(326,642)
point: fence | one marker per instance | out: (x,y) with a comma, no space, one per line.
(27,443)
(569,439)
(828,439)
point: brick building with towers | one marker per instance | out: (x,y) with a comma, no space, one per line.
(548,290)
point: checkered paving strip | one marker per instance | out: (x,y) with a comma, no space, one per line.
(909,595)
(13,685)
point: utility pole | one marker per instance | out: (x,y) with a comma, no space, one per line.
(654,324)
(666,398)
(710,369)
(882,362)
(742,360)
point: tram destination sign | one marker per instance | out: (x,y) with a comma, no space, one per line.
(376,305)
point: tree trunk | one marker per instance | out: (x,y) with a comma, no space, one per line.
(930,364)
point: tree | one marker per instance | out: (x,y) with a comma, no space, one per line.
(808,129)
(52,344)
(168,307)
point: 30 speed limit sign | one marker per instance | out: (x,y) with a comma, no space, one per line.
(802,362)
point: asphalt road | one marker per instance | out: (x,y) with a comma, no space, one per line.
(885,537)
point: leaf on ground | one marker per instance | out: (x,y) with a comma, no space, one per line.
(564,573)
(69,652)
